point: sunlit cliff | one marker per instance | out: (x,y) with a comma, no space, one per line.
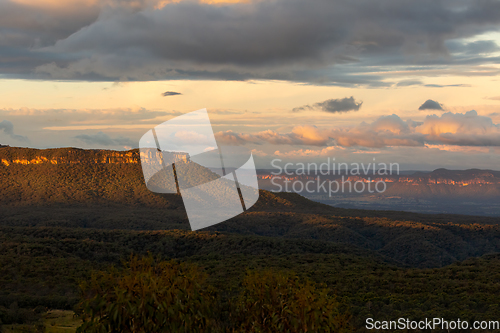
(26,156)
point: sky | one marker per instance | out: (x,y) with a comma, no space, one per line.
(408,82)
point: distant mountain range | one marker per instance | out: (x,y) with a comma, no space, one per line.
(447,184)
(473,191)
(434,182)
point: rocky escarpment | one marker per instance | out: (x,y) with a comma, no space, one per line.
(26,156)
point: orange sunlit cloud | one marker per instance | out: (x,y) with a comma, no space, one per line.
(461,149)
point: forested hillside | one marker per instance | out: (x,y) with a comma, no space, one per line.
(61,220)
(61,194)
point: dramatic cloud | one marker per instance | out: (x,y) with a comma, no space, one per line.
(385,131)
(459,129)
(300,135)
(325,41)
(103,139)
(170,93)
(8,129)
(333,105)
(28,26)
(431,105)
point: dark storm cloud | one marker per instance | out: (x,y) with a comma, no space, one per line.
(25,29)
(431,105)
(8,129)
(103,139)
(333,105)
(35,26)
(280,39)
(170,93)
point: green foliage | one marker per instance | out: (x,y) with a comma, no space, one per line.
(42,266)
(147,295)
(273,301)
(150,295)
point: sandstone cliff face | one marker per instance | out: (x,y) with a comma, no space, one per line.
(26,156)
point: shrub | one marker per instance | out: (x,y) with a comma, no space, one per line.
(147,295)
(274,301)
